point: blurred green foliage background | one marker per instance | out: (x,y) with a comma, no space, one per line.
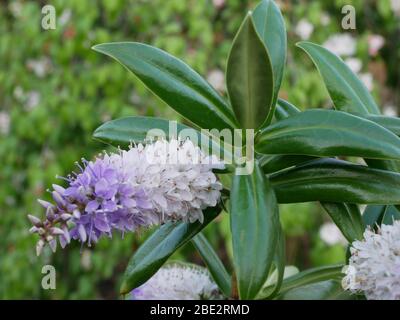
(54,91)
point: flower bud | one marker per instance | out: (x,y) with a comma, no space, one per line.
(35,221)
(39,247)
(56,231)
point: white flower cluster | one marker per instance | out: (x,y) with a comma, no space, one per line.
(176,176)
(178,281)
(374,266)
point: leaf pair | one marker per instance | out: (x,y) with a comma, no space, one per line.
(255,65)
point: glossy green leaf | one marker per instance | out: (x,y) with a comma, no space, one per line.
(390,123)
(122,132)
(328,133)
(270,26)
(373,215)
(254,222)
(274,163)
(310,276)
(174,82)
(249,77)
(324,290)
(285,109)
(347,92)
(331,180)
(214,264)
(392,213)
(279,272)
(159,247)
(348,219)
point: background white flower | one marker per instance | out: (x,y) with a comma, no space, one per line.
(367,79)
(354,64)
(331,234)
(217,79)
(375,43)
(4,123)
(304,29)
(395,6)
(374,266)
(341,44)
(178,281)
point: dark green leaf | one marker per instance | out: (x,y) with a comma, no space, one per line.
(159,247)
(276,163)
(214,264)
(328,133)
(254,222)
(374,215)
(347,92)
(249,77)
(348,219)
(311,276)
(285,109)
(391,214)
(270,26)
(325,290)
(174,82)
(332,180)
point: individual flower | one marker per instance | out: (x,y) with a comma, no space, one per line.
(341,44)
(304,29)
(177,281)
(374,265)
(132,189)
(331,234)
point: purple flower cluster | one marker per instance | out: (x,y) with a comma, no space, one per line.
(97,201)
(128,190)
